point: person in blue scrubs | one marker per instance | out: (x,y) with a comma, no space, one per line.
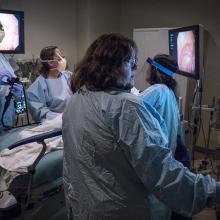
(7,119)
(7,116)
(161,95)
(50,92)
(116,154)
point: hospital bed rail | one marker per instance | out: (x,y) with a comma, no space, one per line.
(25,200)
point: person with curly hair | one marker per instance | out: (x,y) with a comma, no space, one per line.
(115,151)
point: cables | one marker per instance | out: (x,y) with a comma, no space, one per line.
(197,126)
(194,121)
(6,105)
(11,82)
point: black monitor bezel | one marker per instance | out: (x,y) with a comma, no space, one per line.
(21,32)
(195,29)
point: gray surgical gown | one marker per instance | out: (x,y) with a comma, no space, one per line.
(116,155)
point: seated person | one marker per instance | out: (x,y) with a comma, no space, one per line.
(7,115)
(50,92)
(7,118)
(161,95)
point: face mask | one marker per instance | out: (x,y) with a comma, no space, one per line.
(61,65)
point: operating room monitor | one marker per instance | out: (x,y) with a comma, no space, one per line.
(185,45)
(11,31)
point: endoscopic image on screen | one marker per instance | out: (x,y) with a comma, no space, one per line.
(186,51)
(9,32)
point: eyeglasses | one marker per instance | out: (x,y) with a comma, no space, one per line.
(133,63)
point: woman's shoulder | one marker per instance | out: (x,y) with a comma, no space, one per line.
(67,73)
(156,88)
(40,78)
(159,87)
(39,81)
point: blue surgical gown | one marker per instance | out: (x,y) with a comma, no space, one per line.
(116,155)
(164,101)
(48,97)
(9,116)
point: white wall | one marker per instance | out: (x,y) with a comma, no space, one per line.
(150,41)
(96,17)
(47,23)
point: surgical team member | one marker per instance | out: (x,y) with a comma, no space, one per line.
(49,94)
(161,95)
(7,73)
(115,153)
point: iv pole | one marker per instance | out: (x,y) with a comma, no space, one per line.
(195,117)
(197,109)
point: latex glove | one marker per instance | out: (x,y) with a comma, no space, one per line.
(4,76)
(17,90)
